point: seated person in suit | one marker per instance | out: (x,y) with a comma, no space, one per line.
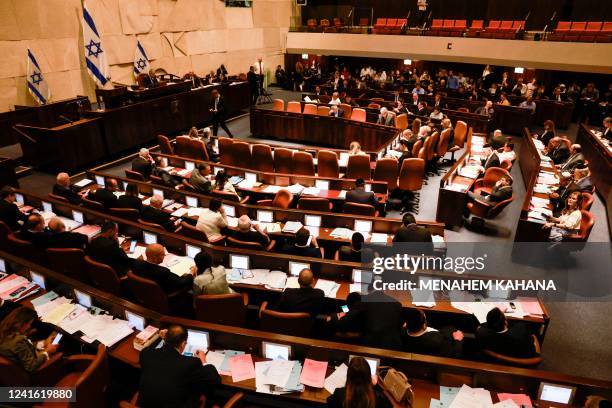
(349,101)
(558,150)
(576,158)
(305,299)
(549,132)
(200,179)
(436,114)
(210,279)
(492,160)
(356,252)
(418,338)
(104,248)
(335,99)
(105,195)
(495,335)
(507,153)
(9,212)
(60,238)
(144,163)
(246,234)
(385,118)
(33,231)
(360,196)
(438,103)
(359,390)
(15,345)
(212,220)
(222,183)
(498,140)
(62,188)
(487,109)
(404,147)
(213,155)
(150,80)
(154,213)
(130,199)
(336,112)
(422,109)
(169,379)
(502,190)
(607,131)
(413,233)
(303,245)
(152,269)
(355,148)
(579,181)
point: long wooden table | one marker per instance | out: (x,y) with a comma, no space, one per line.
(320,130)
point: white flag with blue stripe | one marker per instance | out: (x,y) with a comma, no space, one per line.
(95,55)
(37,86)
(141,62)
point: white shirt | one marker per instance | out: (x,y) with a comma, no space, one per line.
(510,156)
(211,222)
(570,221)
(259,68)
(336,101)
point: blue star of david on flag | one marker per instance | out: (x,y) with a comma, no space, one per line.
(141,62)
(95,57)
(37,86)
(93,48)
(36,78)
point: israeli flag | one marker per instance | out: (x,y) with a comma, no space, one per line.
(95,57)
(37,86)
(141,62)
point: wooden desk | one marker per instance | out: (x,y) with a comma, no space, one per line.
(320,130)
(7,173)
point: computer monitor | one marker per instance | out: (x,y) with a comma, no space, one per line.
(361,276)
(275,351)
(217,169)
(557,393)
(239,261)
(230,210)
(368,187)
(47,207)
(499,293)
(296,267)
(363,226)
(149,238)
(312,220)
(100,181)
(38,279)
(134,320)
(196,340)
(191,201)
(322,184)
(250,177)
(83,299)
(157,191)
(372,362)
(191,251)
(78,216)
(265,216)
(2,266)
(19,198)
(189,166)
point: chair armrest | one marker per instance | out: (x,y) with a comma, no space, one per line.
(217,240)
(245,200)
(50,372)
(478,208)
(267,202)
(271,245)
(80,362)
(478,184)
(573,238)
(262,307)
(322,252)
(245,298)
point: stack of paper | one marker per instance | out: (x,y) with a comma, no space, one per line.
(313,191)
(89,230)
(241,367)
(337,379)
(472,398)
(70,223)
(378,238)
(276,280)
(541,189)
(180,212)
(292,283)
(15,287)
(295,188)
(183,172)
(246,184)
(457,187)
(83,183)
(271,227)
(341,233)
(278,376)
(342,195)
(330,288)
(194,211)
(313,373)
(470,171)
(271,189)
(138,252)
(292,227)
(540,202)
(513,400)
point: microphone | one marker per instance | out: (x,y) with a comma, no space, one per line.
(66,118)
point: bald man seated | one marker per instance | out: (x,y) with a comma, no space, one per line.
(247,234)
(154,213)
(151,268)
(60,238)
(62,188)
(305,299)
(33,231)
(106,196)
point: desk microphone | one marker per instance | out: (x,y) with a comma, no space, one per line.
(66,118)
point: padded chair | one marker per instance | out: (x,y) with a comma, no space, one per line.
(58,198)
(577,29)
(310,109)
(197,150)
(228,309)
(67,261)
(261,158)
(360,209)
(364,21)
(327,164)
(225,150)
(373,105)
(241,155)
(279,104)
(298,324)
(416,125)
(401,121)
(558,34)
(13,375)
(92,205)
(436,26)
(164,144)
(387,170)
(182,146)
(410,182)
(591,31)
(416,148)
(303,164)
(283,160)
(226,195)
(323,110)
(605,35)
(253,246)
(379,26)
(475,28)
(124,213)
(314,204)
(586,225)
(294,106)
(90,376)
(515,361)
(443,143)
(481,210)
(282,199)
(192,232)
(358,115)
(103,276)
(149,294)
(587,201)
(134,175)
(26,250)
(506,165)
(461,130)
(358,166)
(347,109)
(487,182)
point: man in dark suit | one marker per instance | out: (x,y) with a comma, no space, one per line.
(492,160)
(418,338)
(356,252)
(559,152)
(169,379)
(9,212)
(104,248)
(150,80)
(360,196)
(253,84)
(152,269)
(218,112)
(105,196)
(411,232)
(501,191)
(495,335)
(422,106)
(301,246)
(385,118)
(576,159)
(498,140)
(62,188)
(246,234)
(60,238)
(33,231)
(144,163)
(607,132)
(153,213)
(579,181)
(306,299)
(336,112)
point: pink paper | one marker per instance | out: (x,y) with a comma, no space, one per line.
(531,306)
(520,399)
(242,367)
(313,373)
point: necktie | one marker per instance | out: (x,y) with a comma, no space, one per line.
(216,101)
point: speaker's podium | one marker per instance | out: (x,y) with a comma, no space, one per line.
(57,137)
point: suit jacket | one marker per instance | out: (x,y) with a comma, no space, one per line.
(302,251)
(571,163)
(500,193)
(497,142)
(253,81)
(492,161)
(546,137)
(142,166)
(388,121)
(199,182)
(220,107)
(39,239)
(607,134)
(127,201)
(415,234)
(107,251)
(423,112)
(67,193)
(250,236)
(361,197)
(559,154)
(515,342)
(368,318)
(151,214)
(104,197)
(171,380)
(438,343)
(168,281)
(10,214)
(306,300)
(66,239)
(339,115)
(346,253)
(149,82)
(22,352)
